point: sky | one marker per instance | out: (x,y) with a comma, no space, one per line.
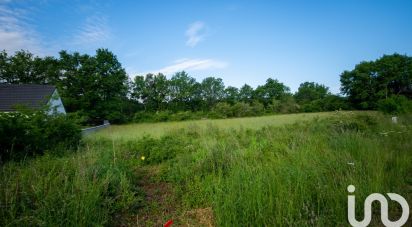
(238,41)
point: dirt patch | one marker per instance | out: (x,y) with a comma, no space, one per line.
(198,217)
(160,204)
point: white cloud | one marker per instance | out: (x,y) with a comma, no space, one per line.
(191,65)
(195,33)
(94,30)
(16,33)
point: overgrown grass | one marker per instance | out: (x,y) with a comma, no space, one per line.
(82,189)
(290,175)
(136,131)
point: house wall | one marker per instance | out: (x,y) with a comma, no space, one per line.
(56,104)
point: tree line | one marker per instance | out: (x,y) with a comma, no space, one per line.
(96,87)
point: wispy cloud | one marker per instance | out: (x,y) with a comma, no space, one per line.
(94,30)
(191,65)
(195,33)
(16,32)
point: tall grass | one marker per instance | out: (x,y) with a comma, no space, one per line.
(295,175)
(289,175)
(83,189)
(136,131)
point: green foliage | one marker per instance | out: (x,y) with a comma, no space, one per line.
(152,90)
(182,89)
(142,116)
(241,109)
(213,90)
(329,103)
(163,116)
(23,134)
(395,105)
(231,94)
(246,93)
(310,91)
(272,89)
(222,110)
(372,81)
(24,67)
(96,85)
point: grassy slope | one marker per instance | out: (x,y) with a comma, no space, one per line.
(250,176)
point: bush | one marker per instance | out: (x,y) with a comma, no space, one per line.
(257,108)
(242,109)
(329,103)
(23,134)
(395,105)
(184,115)
(162,116)
(143,116)
(222,110)
(288,105)
(79,117)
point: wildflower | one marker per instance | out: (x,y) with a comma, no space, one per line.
(143,157)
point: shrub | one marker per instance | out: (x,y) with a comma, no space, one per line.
(223,110)
(162,116)
(79,117)
(181,116)
(288,105)
(242,109)
(143,116)
(395,105)
(32,133)
(257,108)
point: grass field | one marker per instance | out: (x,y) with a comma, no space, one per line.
(285,170)
(134,131)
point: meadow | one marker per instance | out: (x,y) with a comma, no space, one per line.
(283,170)
(134,131)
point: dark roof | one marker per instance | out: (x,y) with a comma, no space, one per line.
(32,96)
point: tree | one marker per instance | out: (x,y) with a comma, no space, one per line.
(151,90)
(96,85)
(232,95)
(371,81)
(212,91)
(182,88)
(272,89)
(360,85)
(394,75)
(25,68)
(112,85)
(139,92)
(310,91)
(246,93)
(4,65)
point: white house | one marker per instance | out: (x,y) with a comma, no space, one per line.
(31,96)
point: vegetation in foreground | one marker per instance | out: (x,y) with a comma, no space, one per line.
(28,133)
(278,175)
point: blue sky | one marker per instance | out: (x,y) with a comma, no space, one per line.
(238,41)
